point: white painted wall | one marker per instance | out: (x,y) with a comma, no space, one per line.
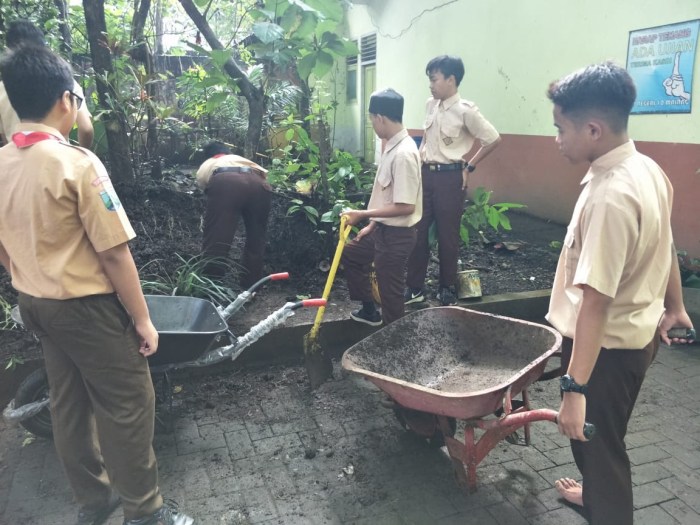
(512,49)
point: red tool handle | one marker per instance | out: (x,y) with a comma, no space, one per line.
(313,303)
(279,276)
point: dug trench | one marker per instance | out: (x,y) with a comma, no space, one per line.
(166,216)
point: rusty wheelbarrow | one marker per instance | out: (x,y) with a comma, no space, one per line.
(440,365)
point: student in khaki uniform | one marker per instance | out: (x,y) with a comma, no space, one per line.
(394,208)
(63,239)
(23,33)
(617,286)
(235,187)
(452,126)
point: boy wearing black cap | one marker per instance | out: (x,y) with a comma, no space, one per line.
(395,207)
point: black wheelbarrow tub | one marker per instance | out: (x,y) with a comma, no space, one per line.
(186,326)
(452,361)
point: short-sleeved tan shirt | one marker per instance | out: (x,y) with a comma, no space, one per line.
(451,127)
(398,180)
(224,161)
(58,209)
(9,119)
(619,242)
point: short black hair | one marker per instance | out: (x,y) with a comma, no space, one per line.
(447,65)
(606,90)
(215,147)
(24,33)
(35,78)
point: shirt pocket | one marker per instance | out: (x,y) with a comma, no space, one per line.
(450,129)
(572,252)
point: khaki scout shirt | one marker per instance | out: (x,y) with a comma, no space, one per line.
(58,209)
(398,180)
(619,242)
(9,119)
(451,127)
(224,161)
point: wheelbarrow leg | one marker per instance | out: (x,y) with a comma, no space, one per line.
(458,455)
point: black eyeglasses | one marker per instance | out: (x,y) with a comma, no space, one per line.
(78,98)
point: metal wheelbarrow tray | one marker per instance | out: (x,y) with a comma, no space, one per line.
(187,327)
(442,364)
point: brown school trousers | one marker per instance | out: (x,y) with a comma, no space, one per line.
(388,247)
(443,202)
(102,399)
(230,196)
(612,392)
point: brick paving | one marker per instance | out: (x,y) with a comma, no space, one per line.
(257,446)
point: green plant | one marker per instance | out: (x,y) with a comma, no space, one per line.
(187,279)
(555,246)
(6,321)
(481,215)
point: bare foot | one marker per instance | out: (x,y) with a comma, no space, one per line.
(571,490)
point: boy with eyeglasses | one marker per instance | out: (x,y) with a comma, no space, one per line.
(65,247)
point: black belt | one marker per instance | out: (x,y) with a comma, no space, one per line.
(232,169)
(433,166)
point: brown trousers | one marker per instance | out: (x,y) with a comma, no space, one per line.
(612,392)
(388,247)
(443,202)
(231,196)
(102,399)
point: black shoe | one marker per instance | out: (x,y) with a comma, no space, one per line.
(413,295)
(363,316)
(88,516)
(166,515)
(447,297)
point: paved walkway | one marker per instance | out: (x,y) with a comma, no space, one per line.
(258,446)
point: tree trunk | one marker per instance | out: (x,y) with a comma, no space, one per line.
(64,28)
(114,119)
(141,52)
(253,95)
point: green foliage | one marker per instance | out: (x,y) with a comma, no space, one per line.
(292,32)
(186,280)
(480,215)
(555,245)
(320,187)
(6,321)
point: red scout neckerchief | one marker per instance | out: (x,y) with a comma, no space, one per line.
(24,139)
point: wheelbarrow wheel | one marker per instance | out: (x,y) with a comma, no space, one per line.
(425,425)
(35,387)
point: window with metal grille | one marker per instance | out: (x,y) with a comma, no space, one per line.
(368,49)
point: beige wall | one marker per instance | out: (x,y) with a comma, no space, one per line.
(512,49)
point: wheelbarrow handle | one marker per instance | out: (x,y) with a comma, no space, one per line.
(279,276)
(682,333)
(310,303)
(588,429)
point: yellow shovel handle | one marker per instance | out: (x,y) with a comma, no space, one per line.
(342,239)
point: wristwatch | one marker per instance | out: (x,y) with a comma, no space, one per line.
(469,167)
(569,384)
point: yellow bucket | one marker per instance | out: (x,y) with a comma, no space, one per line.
(468,284)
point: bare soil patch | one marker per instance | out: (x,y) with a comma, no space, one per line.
(166,216)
